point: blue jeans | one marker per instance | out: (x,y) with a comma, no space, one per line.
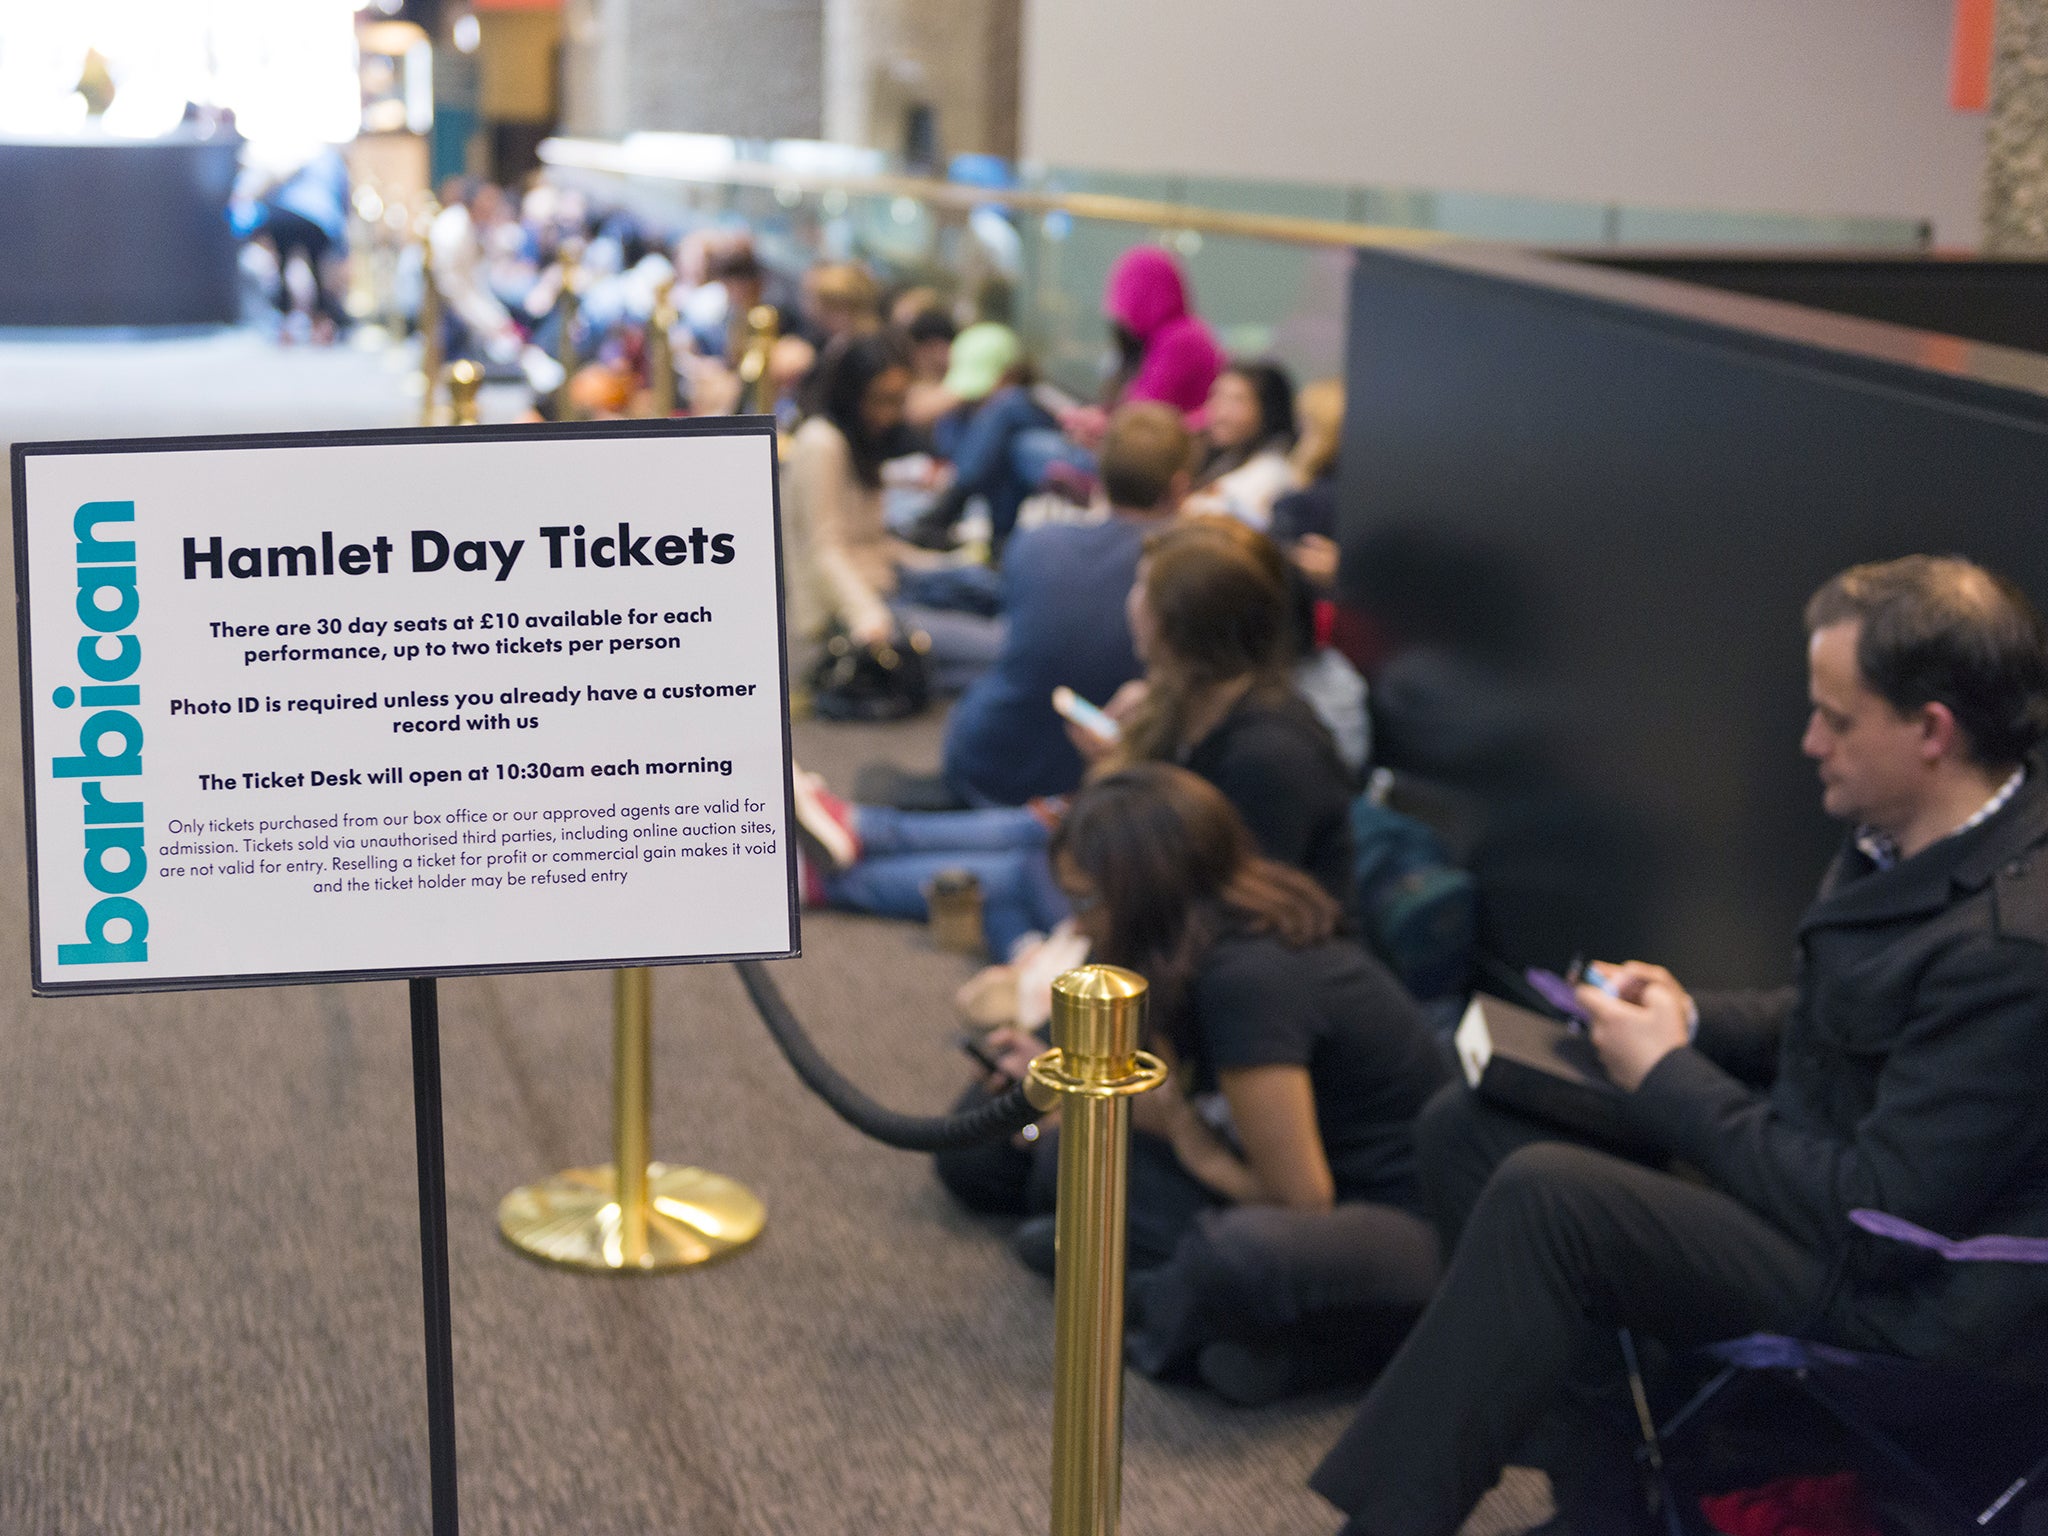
(1004,453)
(955,605)
(1003,848)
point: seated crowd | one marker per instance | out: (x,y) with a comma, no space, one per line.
(1156,759)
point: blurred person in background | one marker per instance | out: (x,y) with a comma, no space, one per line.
(300,202)
(840,298)
(1247,435)
(1016,445)
(931,333)
(1213,618)
(1064,592)
(476,321)
(1209,617)
(844,566)
(1305,519)
(1305,527)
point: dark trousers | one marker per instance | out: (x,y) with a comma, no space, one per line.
(1335,1290)
(1557,1247)
(1008,1179)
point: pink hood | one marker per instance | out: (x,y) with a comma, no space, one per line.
(1145,291)
(1147,295)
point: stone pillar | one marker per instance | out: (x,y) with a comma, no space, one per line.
(2016,158)
(749,68)
(957,58)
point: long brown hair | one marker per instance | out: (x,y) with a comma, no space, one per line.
(1175,870)
(1219,599)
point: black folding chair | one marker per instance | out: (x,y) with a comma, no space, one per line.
(1965,1448)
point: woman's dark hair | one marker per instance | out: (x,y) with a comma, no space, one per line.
(849,366)
(1175,870)
(1274,391)
(1937,629)
(932,324)
(1219,597)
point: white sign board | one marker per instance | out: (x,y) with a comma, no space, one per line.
(403,703)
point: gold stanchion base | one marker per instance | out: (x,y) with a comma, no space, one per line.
(573,1219)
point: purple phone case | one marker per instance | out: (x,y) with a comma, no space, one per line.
(1557,992)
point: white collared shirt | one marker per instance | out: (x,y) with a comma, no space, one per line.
(1882,849)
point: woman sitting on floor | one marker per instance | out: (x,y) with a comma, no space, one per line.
(844,567)
(1274,1240)
(1248,435)
(1210,618)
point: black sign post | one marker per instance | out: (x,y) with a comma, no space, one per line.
(426,1114)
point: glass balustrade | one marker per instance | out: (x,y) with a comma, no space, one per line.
(1280,296)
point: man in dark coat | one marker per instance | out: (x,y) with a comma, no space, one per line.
(1907,1071)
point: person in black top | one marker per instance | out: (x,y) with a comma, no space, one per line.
(1274,1229)
(1210,617)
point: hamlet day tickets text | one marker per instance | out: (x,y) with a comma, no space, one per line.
(403,703)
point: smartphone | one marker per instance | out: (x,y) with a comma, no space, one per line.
(1070,705)
(1557,992)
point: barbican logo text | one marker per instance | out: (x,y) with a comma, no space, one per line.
(116,926)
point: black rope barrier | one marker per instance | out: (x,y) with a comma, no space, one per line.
(1000,1117)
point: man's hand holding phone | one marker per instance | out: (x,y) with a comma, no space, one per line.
(1637,1014)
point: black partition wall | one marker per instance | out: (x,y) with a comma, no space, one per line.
(1583,509)
(107,231)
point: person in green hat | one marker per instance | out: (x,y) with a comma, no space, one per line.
(981,359)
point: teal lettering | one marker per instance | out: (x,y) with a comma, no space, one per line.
(92,763)
(118,579)
(92,549)
(101,841)
(98,949)
(127,656)
(100,811)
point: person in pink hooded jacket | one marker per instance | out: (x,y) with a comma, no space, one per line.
(1014,444)
(1169,354)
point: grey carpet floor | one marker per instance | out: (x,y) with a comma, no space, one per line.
(209,1264)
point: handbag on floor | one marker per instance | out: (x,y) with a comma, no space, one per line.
(889,681)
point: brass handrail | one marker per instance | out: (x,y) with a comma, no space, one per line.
(622,160)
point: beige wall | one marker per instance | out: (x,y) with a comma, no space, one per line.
(1802,106)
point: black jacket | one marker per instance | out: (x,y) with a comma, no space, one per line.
(1906,1071)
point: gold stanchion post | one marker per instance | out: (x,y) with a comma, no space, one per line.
(631,1216)
(661,360)
(1091,1073)
(565,338)
(430,331)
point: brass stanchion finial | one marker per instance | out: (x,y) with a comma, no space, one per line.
(661,360)
(764,329)
(631,1216)
(1093,1069)
(464,380)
